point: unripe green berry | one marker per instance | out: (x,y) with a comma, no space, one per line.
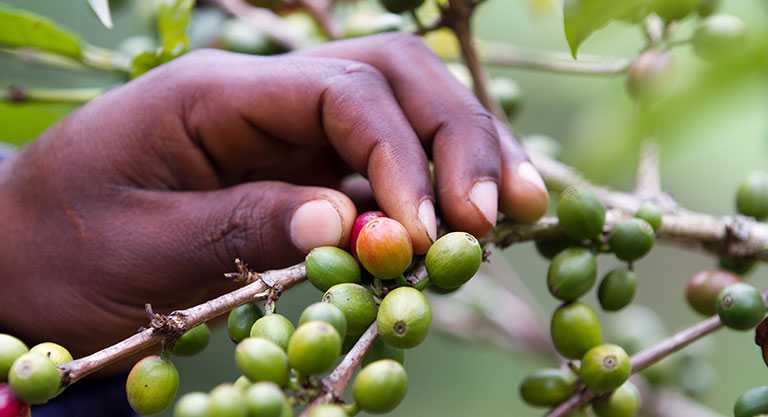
(720,36)
(357,304)
(264,399)
(34,378)
(571,274)
(548,387)
(327,410)
(193,341)
(314,348)
(240,321)
(652,214)
(193,404)
(453,260)
(243,383)
(328,313)
(262,360)
(380,387)
(575,329)
(623,402)
(329,265)
(752,196)
(381,350)
(550,248)
(631,239)
(580,213)
(151,385)
(605,368)
(400,6)
(404,318)
(617,289)
(670,10)
(704,287)
(384,248)
(508,94)
(752,403)
(740,306)
(274,327)
(737,265)
(10,349)
(58,354)
(227,401)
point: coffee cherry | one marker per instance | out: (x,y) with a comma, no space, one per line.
(580,213)
(243,383)
(384,248)
(738,266)
(227,401)
(720,36)
(328,313)
(571,274)
(380,387)
(631,239)
(264,399)
(275,328)
(34,378)
(314,348)
(10,349)
(151,385)
(752,403)
(193,404)
(752,196)
(241,320)
(357,226)
(652,214)
(575,329)
(704,287)
(193,341)
(650,75)
(670,10)
(617,289)
(327,410)
(548,387)
(624,402)
(329,265)
(400,6)
(58,354)
(381,350)
(740,306)
(262,360)
(508,94)
(10,405)
(357,304)
(453,260)
(605,368)
(404,318)
(550,248)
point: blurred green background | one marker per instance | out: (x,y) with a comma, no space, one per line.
(707,148)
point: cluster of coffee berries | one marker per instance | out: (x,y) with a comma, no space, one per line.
(28,376)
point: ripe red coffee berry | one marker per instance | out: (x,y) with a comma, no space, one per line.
(357,226)
(384,248)
(704,287)
(10,405)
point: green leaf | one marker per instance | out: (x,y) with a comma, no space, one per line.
(172,21)
(19,28)
(101,8)
(584,17)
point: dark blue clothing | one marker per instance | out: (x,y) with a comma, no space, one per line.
(90,397)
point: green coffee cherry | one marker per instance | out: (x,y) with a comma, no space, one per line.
(738,266)
(243,383)
(548,387)
(708,7)
(264,399)
(572,274)
(453,260)
(151,385)
(631,239)
(262,360)
(752,403)
(10,349)
(381,350)
(193,341)
(670,10)
(328,266)
(704,287)
(575,329)
(314,348)
(400,6)
(34,378)
(508,94)
(58,354)
(357,304)
(328,313)
(752,196)
(722,36)
(740,306)
(274,327)
(652,214)
(605,368)
(227,401)
(327,410)
(380,387)
(241,320)
(617,289)
(193,404)
(623,402)
(404,318)
(550,248)
(581,214)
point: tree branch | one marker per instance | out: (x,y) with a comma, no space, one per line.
(498,55)
(648,177)
(16,94)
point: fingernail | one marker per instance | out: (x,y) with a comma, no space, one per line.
(427,218)
(315,223)
(485,196)
(527,172)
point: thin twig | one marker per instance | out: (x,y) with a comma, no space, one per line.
(502,55)
(16,94)
(648,177)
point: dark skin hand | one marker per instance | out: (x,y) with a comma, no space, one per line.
(149,193)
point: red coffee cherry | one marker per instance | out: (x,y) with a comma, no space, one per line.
(10,405)
(704,287)
(357,226)
(384,248)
